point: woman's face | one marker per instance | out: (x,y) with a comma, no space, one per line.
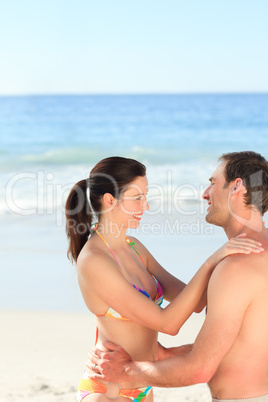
(133,202)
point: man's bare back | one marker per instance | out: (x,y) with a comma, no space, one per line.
(243,371)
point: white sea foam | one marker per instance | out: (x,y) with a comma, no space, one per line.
(44,191)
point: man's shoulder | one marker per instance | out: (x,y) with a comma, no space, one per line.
(241,269)
(242,262)
(236,284)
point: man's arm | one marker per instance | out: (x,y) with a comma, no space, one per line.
(165,353)
(221,327)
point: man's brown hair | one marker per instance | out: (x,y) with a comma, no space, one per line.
(252,168)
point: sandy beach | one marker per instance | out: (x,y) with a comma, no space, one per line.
(43,353)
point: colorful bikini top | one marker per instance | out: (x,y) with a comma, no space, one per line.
(159,294)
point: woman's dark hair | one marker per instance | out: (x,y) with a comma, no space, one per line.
(110,175)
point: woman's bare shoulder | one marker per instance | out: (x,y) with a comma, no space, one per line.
(91,257)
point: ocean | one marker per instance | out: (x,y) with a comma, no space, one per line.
(48,143)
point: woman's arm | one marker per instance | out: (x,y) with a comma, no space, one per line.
(172,286)
(216,337)
(98,273)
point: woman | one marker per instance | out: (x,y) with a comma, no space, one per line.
(121,282)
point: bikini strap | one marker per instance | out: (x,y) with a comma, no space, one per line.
(94,228)
(131,243)
(98,233)
(97,335)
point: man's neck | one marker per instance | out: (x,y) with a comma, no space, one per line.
(251,225)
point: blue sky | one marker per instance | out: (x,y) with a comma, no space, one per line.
(141,46)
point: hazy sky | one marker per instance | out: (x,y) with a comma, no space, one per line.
(141,46)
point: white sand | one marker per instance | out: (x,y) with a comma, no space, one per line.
(42,356)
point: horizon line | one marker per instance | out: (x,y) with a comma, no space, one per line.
(133,93)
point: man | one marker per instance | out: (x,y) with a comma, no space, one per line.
(231,350)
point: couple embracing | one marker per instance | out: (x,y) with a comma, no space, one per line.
(123,286)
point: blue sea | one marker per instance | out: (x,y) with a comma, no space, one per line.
(47,143)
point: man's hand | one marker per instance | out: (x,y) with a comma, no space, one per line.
(110,365)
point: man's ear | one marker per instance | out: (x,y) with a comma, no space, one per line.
(238,186)
(108,200)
